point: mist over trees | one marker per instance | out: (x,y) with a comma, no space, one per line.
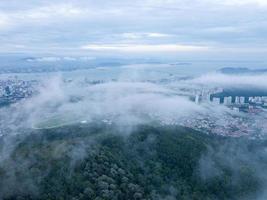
(153,162)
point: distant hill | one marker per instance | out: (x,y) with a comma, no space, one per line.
(241,70)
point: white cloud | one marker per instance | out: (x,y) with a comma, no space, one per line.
(157,35)
(121,102)
(144,35)
(131,35)
(242,2)
(145,47)
(4,21)
(54,13)
(61,10)
(42,14)
(69,24)
(225,29)
(222,80)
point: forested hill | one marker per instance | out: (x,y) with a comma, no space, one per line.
(153,162)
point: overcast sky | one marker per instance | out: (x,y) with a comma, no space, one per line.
(229,28)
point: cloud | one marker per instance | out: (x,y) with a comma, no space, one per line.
(242,2)
(144,35)
(122,103)
(225,29)
(139,48)
(4,21)
(64,10)
(45,13)
(222,80)
(40,26)
(158,35)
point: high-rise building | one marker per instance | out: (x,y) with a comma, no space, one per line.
(253,99)
(227,100)
(242,100)
(216,100)
(258,99)
(237,100)
(208,96)
(197,99)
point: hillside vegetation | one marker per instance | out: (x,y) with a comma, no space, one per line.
(104,163)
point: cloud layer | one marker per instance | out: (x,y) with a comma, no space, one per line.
(50,27)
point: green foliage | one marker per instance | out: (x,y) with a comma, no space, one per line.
(98,163)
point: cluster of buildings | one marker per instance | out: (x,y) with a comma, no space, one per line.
(229,100)
(12,91)
(226,125)
(206,95)
(245,104)
(238,103)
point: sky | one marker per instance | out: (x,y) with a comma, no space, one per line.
(234,29)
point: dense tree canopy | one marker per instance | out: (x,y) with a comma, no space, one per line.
(102,163)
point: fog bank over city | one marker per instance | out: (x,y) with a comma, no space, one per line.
(131,100)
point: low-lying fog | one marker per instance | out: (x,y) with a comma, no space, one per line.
(129,99)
